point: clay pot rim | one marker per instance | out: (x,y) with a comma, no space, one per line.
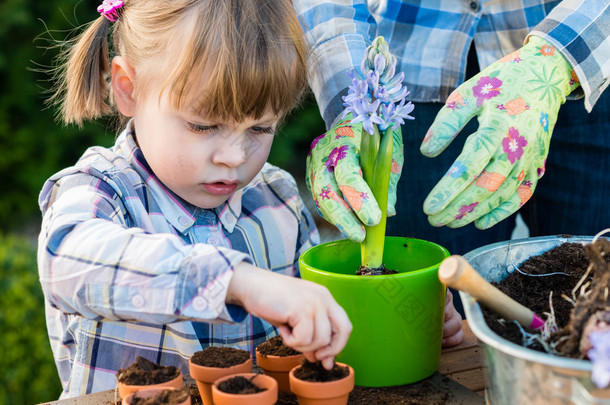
(126,389)
(319,389)
(270,385)
(278,363)
(154,391)
(211,374)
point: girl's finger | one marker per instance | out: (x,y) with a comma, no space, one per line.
(300,337)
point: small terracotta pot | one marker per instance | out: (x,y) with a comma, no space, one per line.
(151,392)
(205,377)
(125,389)
(267,397)
(322,393)
(278,367)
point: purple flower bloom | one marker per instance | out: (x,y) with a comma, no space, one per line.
(367,114)
(372,79)
(377,96)
(379,63)
(392,114)
(466,209)
(600,356)
(358,91)
(513,145)
(381,94)
(486,88)
(335,155)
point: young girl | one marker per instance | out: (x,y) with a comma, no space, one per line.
(162,244)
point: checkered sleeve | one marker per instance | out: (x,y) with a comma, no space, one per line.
(308,235)
(93,264)
(339,33)
(580,29)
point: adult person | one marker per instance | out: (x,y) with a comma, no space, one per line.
(484,180)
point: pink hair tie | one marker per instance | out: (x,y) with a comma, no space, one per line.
(109,9)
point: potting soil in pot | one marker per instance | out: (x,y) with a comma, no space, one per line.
(239,385)
(317,373)
(222,357)
(276,347)
(145,372)
(558,271)
(166,397)
(377,271)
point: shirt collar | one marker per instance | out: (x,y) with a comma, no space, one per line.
(181,214)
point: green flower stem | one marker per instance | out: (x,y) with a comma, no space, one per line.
(369,146)
(371,248)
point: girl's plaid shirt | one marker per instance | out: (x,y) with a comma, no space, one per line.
(129,269)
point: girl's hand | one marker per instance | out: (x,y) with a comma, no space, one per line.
(452,328)
(305,313)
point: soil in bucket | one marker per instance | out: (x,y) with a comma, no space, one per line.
(564,282)
(145,372)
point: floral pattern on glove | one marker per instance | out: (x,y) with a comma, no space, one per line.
(334,178)
(516,101)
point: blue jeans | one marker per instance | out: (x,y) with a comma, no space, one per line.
(573,196)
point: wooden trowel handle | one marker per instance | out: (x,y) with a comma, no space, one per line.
(457,273)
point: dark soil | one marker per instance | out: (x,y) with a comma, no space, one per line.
(276,347)
(240,385)
(376,271)
(166,397)
(558,271)
(317,373)
(422,393)
(221,357)
(592,309)
(145,372)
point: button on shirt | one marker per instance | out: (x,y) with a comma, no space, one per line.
(431,40)
(129,269)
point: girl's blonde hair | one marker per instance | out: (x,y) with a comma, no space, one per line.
(251,55)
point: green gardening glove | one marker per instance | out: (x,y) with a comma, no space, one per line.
(335,180)
(516,100)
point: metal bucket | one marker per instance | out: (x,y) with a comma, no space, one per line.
(514,374)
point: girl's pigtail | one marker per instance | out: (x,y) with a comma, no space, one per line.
(82,89)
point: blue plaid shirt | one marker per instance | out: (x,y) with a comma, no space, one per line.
(431,40)
(128,268)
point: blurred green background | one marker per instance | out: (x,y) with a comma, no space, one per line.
(33,147)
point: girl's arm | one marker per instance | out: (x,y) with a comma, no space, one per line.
(92,264)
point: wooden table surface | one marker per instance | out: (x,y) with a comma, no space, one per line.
(462,364)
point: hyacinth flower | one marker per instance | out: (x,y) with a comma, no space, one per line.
(376,98)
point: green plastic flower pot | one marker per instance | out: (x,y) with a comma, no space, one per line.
(397,319)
